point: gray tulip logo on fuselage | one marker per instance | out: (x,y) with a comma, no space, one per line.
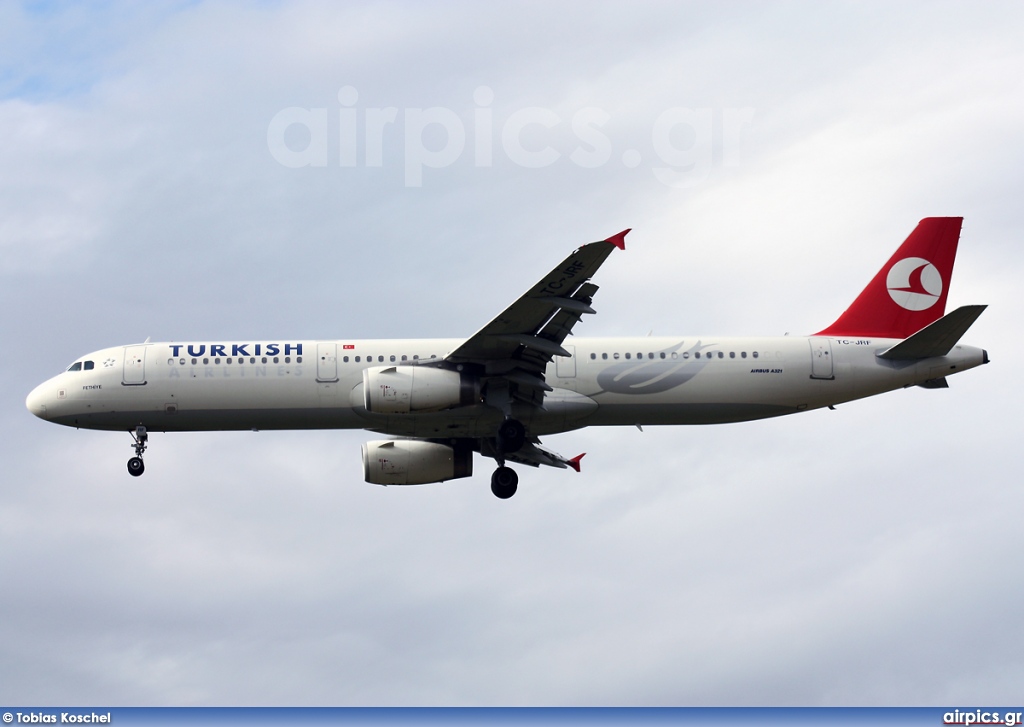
(653,376)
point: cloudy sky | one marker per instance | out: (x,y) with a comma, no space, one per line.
(154,182)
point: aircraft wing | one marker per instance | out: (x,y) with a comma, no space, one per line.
(520,342)
(534,455)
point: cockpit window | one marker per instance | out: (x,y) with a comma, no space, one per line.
(89,365)
(76,366)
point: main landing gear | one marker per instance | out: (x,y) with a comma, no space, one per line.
(504,482)
(511,435)
(135,465)
(511,438)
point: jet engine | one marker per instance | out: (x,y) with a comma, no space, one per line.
(405,389)
(414,462)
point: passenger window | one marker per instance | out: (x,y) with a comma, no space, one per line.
(604,356)
(721,354)
(216,360)
(627,355)
(743,354)
(181,361)
(264,360)
(615,356)
(227,361)
(415,357)
(696,355)
(287,359)
(357,359)
(663,354)
(593,356)
(380,359)
(298,359)
(639,355)
(755,354)
(76,366)
(252,359)
(195,361)
(277,360)
(392,358)
(206,362)
(345,359)
(676,355)
(732,354)
(650,355)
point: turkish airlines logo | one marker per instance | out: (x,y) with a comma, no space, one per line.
(914,283)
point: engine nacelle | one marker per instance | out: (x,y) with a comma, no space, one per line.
(413,462)
(406,389)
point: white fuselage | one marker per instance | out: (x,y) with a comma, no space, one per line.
(608,381)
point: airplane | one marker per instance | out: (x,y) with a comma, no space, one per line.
(517,379)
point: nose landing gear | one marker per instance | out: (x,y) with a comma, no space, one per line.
(135,465)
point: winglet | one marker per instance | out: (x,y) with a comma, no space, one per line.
(575,461)
(619,241)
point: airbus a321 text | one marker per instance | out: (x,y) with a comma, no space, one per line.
(518,379)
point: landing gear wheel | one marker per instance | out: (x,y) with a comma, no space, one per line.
(511,435)
(135,465)
(504,482)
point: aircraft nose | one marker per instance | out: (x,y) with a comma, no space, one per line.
(35,402)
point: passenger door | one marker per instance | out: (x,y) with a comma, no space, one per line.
(565,366)
(821,358)
(326,362)
(134,366)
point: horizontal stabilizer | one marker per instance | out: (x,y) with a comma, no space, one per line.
(936,339)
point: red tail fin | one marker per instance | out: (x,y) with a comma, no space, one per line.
(909,292)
